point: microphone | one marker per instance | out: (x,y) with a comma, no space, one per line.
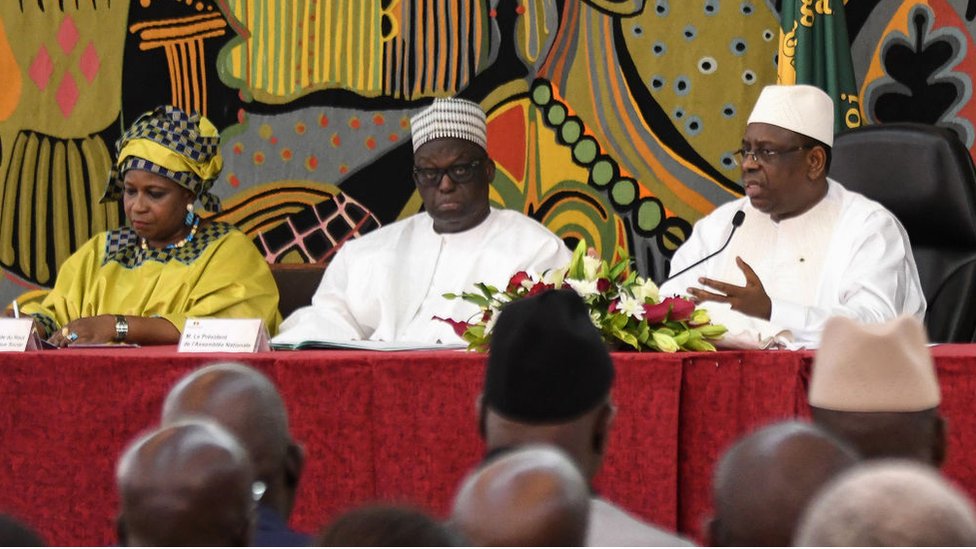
(737,220)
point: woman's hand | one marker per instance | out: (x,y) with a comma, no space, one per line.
(92,329)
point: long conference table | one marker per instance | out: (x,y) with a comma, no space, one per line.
(401,426)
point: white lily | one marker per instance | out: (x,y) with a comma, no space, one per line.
(645,290)
(585,288)
(555,276)
(591,267)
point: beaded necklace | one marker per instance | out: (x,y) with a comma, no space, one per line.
(186,240)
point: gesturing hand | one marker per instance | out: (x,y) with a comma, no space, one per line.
(750,299)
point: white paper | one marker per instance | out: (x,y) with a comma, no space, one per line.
(17,334)
(223,335)
(365,345)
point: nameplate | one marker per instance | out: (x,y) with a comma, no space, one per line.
(18,334)
(224,335)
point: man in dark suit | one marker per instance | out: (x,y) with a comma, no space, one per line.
(246,403)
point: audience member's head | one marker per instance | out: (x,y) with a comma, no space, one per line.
(888,503)
(189,483)
(533,496)
(548,380)
(387,526)
(14,533)
(245,402)
(875,386)
(763,483)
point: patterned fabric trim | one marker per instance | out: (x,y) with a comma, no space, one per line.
(176,130)
(50,326)
(122,246)
(187,180)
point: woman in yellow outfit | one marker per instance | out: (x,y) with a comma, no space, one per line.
(140,283)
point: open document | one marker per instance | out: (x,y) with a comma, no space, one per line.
(363,345)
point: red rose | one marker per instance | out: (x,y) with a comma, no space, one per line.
(538,288)
(516,281)
(654,314)
(681,308)
(459,326)
(602,285)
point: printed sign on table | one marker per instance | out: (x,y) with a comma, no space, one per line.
(224,335)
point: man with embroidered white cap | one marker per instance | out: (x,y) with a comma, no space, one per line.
(808,249)
(389,284)
(876,387)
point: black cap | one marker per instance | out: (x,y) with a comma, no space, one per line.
(547,361)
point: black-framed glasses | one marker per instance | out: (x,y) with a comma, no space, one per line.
(765,156)
(459,173)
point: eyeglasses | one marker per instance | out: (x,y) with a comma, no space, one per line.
(459,173)
(258,488)
(765,156)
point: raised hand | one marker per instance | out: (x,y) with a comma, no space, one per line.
(750,299)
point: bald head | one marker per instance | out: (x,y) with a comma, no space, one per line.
(189,483)
(534,496)
(244,401)
(764,481)
(887,504)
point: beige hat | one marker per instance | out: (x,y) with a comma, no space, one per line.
(450,117)
(806,110)
(874,367)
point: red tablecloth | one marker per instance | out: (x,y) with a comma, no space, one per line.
(402,426)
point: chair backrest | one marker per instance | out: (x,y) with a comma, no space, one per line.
(925,176)
(297,283)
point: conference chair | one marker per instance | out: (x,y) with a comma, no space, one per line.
(296,283)
(924,174)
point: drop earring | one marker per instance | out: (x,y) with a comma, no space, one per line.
(188,220)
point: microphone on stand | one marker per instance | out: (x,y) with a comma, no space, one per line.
(737,220)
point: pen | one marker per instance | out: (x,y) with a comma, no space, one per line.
(16,309)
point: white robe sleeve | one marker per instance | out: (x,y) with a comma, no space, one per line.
(874,282)
(329,316)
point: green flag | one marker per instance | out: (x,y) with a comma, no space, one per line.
(814,50)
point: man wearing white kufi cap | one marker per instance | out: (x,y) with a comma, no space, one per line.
(875,386)
(389,284)
(808,249)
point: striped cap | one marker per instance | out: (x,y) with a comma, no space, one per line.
(450,117)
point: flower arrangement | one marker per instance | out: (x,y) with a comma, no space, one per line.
(626,308)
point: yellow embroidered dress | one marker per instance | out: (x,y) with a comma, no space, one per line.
(218,274)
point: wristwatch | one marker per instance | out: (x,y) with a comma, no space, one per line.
(121,328)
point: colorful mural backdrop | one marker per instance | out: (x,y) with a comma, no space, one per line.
(612,121)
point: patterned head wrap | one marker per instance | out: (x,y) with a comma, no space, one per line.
(178,146)
(450,117)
